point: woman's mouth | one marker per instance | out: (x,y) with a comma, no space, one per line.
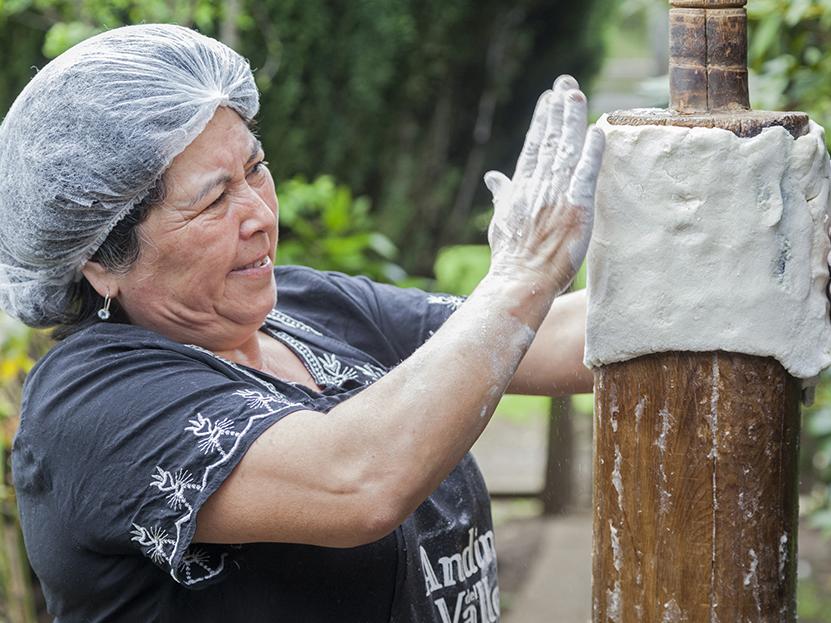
(256,265)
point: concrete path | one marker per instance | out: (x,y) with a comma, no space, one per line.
(558,586)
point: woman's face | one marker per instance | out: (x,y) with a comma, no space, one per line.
(204,275)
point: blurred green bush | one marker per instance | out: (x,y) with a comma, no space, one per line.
(788,54)
(405,101)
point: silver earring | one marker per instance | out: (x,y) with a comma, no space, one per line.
(104,312)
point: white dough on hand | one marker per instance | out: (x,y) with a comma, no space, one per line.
(543,216)
(584,181)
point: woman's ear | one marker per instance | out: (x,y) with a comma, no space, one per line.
(103,281)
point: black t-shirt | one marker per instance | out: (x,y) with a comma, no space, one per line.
(124,434)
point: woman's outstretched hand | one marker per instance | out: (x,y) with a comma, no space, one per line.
(543,217)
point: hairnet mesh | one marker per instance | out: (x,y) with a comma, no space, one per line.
(88,138)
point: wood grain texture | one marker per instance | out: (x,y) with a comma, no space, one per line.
(708,57)
(695,490)
(708,4)
(745,124)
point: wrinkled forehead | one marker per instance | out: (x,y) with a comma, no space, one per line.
(222,150)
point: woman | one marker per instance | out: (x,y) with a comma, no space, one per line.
(307,461)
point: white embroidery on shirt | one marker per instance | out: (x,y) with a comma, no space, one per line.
(161,544)
(287,320)
(371,372)
(337,372)
(174,484)
(449,300)
(201,558)
(210,433)
(154,540)
(259,400)
(328,369)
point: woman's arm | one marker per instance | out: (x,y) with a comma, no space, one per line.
(351,476)
(553,365)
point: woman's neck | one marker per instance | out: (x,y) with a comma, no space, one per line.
(248,353)
(264,353)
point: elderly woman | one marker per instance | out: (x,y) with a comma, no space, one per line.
(306,459)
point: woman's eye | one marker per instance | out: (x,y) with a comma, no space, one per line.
(258,168)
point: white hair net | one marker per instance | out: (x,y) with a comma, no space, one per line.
(88,138)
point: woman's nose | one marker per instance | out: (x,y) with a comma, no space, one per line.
(258,215)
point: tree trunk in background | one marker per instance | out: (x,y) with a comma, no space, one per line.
(559,468)
(228,31)
(500,71)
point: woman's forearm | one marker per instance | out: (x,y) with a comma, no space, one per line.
(420,419)
(553,365)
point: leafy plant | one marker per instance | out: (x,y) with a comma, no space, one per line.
(789,40)
(323,226)
(406,101)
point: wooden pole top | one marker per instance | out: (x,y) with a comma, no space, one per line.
(708,56)
(708,83)
(708,4)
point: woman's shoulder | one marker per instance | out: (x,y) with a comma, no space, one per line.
(102,344)
(107,364)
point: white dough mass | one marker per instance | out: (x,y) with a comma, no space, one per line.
(706,241)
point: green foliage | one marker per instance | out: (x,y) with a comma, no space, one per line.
(15,361)
(406,101)
(789,40)
(323,226)
(460,268)
(816,463)
(813,602)
(19,347)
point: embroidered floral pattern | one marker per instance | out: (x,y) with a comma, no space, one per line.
(153,541)
(221,439)
(328,370)
(201,559)
(371,372)
(337,373)
(449,300)
(210,433)
(258,400)
(175,485)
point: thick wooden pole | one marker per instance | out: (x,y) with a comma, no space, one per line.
(695,454)
(695,494)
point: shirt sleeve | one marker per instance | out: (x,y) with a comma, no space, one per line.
(384,320)
(407,316)
(138,439)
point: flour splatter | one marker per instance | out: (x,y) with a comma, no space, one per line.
(714,456)
(617,480)
(783,555)
(672,612)
(666,425)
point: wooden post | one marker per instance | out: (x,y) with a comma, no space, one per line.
(695,454)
